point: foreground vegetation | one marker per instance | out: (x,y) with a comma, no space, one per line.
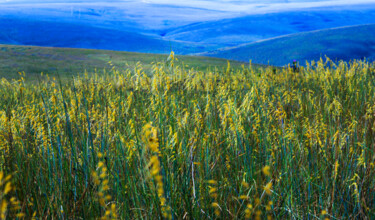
(178,143)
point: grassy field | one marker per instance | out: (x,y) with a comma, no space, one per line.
(187,144)
(67,62)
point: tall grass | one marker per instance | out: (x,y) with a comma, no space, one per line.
(179,143)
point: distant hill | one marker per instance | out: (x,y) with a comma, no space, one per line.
(158,28)
(37,32)
(251,28)
(138,26)
(67,62)
(346,43)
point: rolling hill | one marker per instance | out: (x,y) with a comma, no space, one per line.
(37,32)
(156,28)
(251,28)
(67,62)
(96,25)
(345,43)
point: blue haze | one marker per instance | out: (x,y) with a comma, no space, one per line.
(153,26)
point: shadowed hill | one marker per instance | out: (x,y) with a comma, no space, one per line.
(346,43)
(247,29)
(21,31)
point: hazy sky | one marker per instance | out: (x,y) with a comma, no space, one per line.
(222,6)
(216,4)
(246,5)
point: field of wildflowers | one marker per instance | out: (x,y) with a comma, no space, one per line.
(176,143)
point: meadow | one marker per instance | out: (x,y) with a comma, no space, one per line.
(66,63)
(172,142)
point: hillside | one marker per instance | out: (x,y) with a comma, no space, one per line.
(158,28)
(346,43)
(246,29)
(21,31)
(93,26)
(67,61)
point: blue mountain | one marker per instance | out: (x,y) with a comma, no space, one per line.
(345,43)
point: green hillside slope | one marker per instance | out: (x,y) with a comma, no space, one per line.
(67,62)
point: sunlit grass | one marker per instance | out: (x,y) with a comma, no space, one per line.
(180,143)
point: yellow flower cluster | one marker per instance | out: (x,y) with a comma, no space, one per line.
(8,206)
(100,178)
(213,192)
(150,137)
